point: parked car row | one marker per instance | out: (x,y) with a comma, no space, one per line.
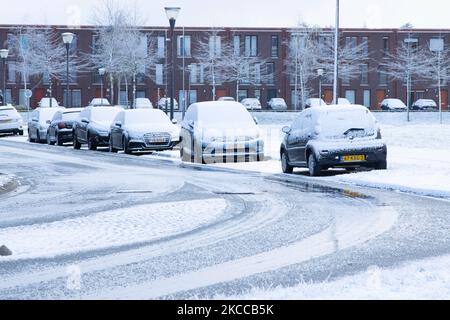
(322,137)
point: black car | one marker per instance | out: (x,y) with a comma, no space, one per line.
(333,137)
(93,127)
(61,126)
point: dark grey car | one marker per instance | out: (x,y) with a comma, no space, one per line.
(333,137)
(61,127)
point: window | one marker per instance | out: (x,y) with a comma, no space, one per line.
(257,73)
(237,45)
(251,46)
(364,74)
(10,40)
(12,72)
(191,97)
(123,98)
(22,98)
(413,42)
(437,44)
(95,38)
(274,47)
(258,94)
(365,45)
(140,78)
(351,42)
(161,46)
(382,76)
(9,96)
(385,46)
(350,95)
(270,72)
(159,74)
(245,73)
(367,99)
(215,46)
(242,94)
(196,74)
(96,77)
(75,96)
(140,94)
(184,46)
(74,45)
(295,99)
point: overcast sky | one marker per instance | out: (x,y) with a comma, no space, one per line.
(242,13)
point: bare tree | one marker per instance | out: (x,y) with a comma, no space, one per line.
(409,61)
(242,68)
(437,69)
(209,56)
(303,60)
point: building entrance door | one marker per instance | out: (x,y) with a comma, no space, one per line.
(381,95)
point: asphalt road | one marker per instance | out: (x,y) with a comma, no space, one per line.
(271,230)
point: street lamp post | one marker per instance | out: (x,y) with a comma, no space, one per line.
(101,72)
(336,56)
(172,15)
(4,55)
(320,74)
(67,39)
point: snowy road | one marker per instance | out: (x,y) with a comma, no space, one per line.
(93,225)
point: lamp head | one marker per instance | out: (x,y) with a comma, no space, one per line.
(68,37)
(4,53)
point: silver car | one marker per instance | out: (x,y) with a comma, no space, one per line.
(40,120)
(10,121)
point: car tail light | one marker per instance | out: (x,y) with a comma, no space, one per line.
(61,125)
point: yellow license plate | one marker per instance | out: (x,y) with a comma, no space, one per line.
(356,158)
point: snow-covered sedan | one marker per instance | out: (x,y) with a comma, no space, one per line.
(61,127)
(142,103)
(314,102)
(92,127)
(165,102)
(143,130)
(219,132)
(425,104)
(277,104)
(10,121)
(339,137)
(393,105)
(252,104)
(40,120)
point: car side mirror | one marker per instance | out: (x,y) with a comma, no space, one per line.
(287,130)
(35,120)
(191,124)
(256,120)
(118,124)
(85,120)
(175,121)
(49,122)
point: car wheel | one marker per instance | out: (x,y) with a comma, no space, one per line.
(76,144)
(314,168)
(91,143)
(38,138)
(287,168)
(382,165)
(126,147)
(31,140)
(49,140)
(59,142)
(111,148)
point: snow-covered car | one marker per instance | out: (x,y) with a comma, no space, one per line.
(229,99)
(314,102)
(143,130)
(344,102)
(339,137)
(92,127)
(61,126)
(165,102)
(217,132)
(277,104)
(425,104)
(99,102)
(40,120)
(48,103)
(252,104)
(393,105)
(142,103)
(10,121)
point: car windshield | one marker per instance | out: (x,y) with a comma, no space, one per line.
(47,114)
(395,102)
(221,116)
(70,116)
(101,114)
(344,123)
(139,117)
(45,103)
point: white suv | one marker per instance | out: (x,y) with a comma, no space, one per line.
(10,121)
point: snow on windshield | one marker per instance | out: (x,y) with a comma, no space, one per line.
(146,116)
(229,116)
(10,112)
(101,114)
(339,124)
(70,116)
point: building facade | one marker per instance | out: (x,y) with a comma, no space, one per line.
(369,89)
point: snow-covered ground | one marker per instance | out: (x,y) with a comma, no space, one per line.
(119,227)
(418,160)
(4,179)
(420,280)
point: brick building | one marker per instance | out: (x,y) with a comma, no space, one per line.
(369,89)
